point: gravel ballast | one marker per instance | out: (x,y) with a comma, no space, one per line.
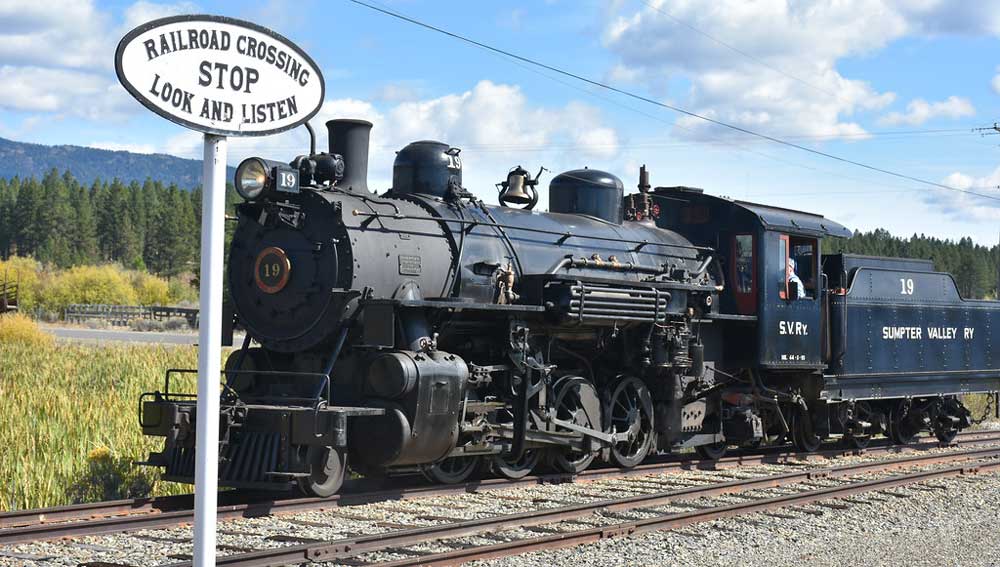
(950,522)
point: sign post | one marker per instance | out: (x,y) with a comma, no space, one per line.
(206,471)
(222,77)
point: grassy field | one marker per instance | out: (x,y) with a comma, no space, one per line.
(68,425)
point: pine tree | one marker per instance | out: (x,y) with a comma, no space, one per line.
(8,198)
(29,201)
(84,232)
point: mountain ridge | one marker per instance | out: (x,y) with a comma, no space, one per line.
(26,159)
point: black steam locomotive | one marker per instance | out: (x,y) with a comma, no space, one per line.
(423,330)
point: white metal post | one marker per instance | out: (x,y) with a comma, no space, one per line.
(206,472)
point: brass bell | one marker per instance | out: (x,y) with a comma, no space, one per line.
(515,192)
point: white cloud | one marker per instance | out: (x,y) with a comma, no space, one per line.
(920,111)
(85,94)
(979,202)
(794,86)
(494,124)
(66,33)
(121,147)
(996,82)
(57,56)
(143,11)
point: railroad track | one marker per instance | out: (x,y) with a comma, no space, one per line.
(342,536)
(149,513)
(351,551)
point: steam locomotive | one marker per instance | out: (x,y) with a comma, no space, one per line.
(424,330)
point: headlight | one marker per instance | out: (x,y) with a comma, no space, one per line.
(251,178)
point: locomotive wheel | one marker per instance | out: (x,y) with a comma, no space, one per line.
(712,452)
(803,435)
(452,470)
(514,470)
(631,411)
(328,467)
(577,402)
(901,430)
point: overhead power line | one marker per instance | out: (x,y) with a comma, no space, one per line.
(671,107)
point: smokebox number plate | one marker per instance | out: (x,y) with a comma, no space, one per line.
(272,270)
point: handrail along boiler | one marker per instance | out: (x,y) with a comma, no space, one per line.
(423,329)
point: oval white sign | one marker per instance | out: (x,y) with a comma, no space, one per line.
(220,75)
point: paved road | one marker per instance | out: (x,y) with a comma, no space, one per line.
(76,334)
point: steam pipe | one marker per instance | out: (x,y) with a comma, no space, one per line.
(312,138)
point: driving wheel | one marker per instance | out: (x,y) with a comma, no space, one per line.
(452,470)
(576,402)
(630,414)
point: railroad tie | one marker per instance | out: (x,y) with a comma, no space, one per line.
(284,538)
(833,505)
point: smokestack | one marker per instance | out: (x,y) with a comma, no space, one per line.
(349,138)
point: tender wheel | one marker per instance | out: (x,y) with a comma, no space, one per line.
(328,467)
(577,402)
(902,431)
(945,435)
(946,425)
(712,452)
(631,411)
(852,441)
(514,470)
(803,435)
(452,470)
(863,412)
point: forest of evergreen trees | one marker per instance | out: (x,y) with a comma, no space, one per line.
(60,221)
(975,267)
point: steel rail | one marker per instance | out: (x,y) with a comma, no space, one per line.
(130,515)
(350,548)
(681,519)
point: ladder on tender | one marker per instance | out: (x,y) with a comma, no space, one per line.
(8,293)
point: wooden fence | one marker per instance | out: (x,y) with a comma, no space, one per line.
(124,315)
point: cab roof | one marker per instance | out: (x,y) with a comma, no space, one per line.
(770,217)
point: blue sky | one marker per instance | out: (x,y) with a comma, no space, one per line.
(898,85)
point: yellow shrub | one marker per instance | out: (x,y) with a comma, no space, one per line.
(151,290)
(89,284)
(18,328)
(28,274)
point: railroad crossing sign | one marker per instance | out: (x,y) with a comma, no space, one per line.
(219,75)
(222,77)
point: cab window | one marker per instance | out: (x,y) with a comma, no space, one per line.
(743,268)
(800,265)
(743,274)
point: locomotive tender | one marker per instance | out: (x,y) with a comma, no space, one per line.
(422,329)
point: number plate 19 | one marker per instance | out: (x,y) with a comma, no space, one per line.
(286,180)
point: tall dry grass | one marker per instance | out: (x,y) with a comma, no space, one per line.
(68,425)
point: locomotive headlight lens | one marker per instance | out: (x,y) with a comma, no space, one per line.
(251,178)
